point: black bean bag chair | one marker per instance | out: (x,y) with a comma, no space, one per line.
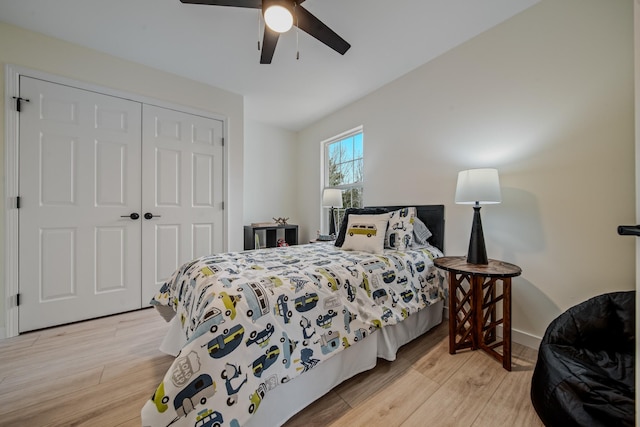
(585,372)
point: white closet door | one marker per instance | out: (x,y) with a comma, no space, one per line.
(182,188)
(80,179)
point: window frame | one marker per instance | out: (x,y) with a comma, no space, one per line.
(358,185)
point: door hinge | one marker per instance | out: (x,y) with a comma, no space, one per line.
(223,141)
(18,202)
(19,102)
(222,205)
(17,300)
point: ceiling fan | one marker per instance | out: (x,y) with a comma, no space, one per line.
(293,14)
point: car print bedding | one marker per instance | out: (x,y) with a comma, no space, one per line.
(255,320)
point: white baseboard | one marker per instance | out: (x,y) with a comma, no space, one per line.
(522,338)
(525,339)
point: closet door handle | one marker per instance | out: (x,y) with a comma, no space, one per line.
(134,215)
(149,215)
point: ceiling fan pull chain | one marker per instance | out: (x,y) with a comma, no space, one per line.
(259,28)
(295,11)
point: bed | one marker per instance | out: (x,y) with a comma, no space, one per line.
(258,335)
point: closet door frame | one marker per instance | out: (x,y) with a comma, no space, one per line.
(11,187)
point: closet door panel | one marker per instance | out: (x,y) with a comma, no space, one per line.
(182,191)
(80,179)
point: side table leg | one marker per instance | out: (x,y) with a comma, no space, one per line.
(453,313)
(490,334)
(506,315)
(478,313)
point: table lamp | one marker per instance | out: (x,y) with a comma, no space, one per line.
(476,187)
(332,198)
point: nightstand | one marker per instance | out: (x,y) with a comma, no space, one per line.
(268,235)
(473,299)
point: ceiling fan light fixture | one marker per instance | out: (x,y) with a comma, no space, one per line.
(274,12)
(278,18)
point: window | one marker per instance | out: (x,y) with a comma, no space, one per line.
(344,168)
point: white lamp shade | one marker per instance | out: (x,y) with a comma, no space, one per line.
(332,198)
(478,185)
(278,18)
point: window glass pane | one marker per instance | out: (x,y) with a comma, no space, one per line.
(357,146)
(333,151)
(356,197)
(358,168)
(346,199)
(346,172)
(335,175)
(347,146)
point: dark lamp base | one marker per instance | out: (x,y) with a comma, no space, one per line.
(477,253)
(332,222)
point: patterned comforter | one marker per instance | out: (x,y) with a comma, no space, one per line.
(254,320)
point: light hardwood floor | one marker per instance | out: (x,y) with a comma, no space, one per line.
(101,372)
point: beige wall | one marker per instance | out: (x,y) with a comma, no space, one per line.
(35,51)
(547,98)
(270,173)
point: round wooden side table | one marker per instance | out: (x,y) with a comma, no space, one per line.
(473,297)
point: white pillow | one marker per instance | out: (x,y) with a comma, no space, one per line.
(366,233)
(399,235)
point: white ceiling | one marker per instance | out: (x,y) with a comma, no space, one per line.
(218,45)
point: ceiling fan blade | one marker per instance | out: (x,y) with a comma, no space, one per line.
(316,28)
(269,41)
(254,4)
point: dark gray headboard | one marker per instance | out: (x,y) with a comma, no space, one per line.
(433,217)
